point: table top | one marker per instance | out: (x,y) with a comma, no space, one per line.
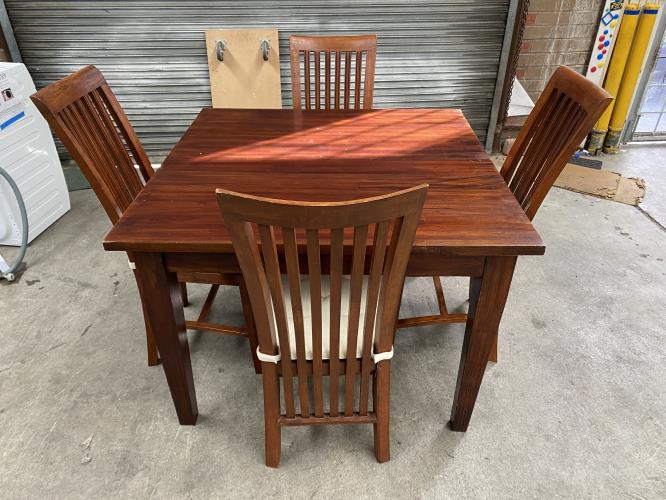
(328,156)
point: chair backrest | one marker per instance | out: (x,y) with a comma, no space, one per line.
(87,118)
(335,94)
(377,233)
(567,109)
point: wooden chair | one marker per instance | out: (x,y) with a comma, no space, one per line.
(316,321)
(564,114)
(332,49)
(84,113)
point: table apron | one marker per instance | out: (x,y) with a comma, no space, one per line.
(420,264)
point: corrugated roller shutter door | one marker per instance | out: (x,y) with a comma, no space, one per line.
(430,54)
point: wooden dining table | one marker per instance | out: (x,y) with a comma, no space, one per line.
(471,224)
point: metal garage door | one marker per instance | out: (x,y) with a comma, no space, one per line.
(430,53)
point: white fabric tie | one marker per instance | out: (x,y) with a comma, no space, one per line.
(131,264)
(268,358)
(382,356)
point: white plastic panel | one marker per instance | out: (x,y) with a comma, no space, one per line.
(28,154)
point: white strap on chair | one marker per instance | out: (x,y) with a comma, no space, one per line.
(268,358)
(131,264)
(381,356)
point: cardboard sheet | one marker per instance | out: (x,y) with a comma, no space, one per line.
(602,183)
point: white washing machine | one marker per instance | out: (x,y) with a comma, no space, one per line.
(28,154)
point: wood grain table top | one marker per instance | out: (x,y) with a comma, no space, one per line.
(328,156)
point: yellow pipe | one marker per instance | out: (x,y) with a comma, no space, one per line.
(630,77)
(615,71)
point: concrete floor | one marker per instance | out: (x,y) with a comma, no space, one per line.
(647,161)
(576,407)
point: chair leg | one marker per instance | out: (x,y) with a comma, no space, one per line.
(272,428)
(183,294)
(153,355)
(493,350)
(250,327)
(382,405)
(439,292)
(151,346)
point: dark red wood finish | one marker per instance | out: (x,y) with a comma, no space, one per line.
(366,325)
(84,113)
(567,109)
(469,218)
(328,156)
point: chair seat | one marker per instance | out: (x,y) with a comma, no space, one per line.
(326,315)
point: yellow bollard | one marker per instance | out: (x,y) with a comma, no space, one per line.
(630,77)
(615,71)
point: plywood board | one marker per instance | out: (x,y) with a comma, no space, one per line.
(602,183)
(243,79)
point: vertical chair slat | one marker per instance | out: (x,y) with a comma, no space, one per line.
(347,77)
(293,274)
(84,112)
(337,235)
(82,130)
(295,59)
(327,81)
(357,80)
(551,135)
(317,70)
(115,146)
(374,282)
(88,143)
(545,178)
(363,46)
(558,138)
(314,269)
(530,179)
(391,294)
(93,121)
(113,152)
(336,93)
(306,73)
(535,141)
(511,166)
(100,153)
(269,252)
(567,84)
(127,131)
(540,149)
(396,227)
(511,169)
(68,134)
(369,79)
(118,147)
(536,145)
(355,294)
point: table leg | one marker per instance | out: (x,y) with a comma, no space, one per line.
(488,296)
(163,304)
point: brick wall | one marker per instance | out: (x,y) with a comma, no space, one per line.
(557,32)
